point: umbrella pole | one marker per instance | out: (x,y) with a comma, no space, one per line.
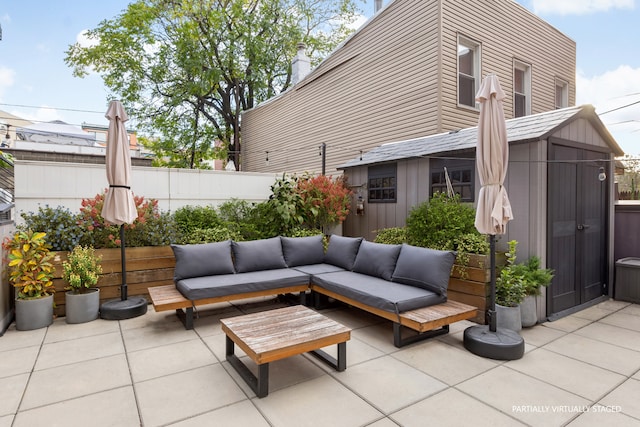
(492,307)
(123,287)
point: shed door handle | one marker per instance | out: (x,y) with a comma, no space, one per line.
(583,226)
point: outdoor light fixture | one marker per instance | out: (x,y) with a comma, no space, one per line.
(601,175)
(360,206)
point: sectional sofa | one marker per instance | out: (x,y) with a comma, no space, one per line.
(402,283)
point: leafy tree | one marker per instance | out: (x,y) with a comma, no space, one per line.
(185,70)
(630,182)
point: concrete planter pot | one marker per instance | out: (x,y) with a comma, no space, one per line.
(82,308)
(528,312)
(508,317)
(34,313)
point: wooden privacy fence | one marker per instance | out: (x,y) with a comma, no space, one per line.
(146,267)
(153,266)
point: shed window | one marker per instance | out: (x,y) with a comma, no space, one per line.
(382,183)
(562,94)
(461,175)
(468,71)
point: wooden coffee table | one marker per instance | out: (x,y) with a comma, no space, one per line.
(273,335)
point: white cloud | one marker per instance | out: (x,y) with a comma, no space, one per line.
(84,40)
(7,79)
(43,114)
(579,7)
(615,90)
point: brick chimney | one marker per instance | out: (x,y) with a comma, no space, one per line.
(301,64)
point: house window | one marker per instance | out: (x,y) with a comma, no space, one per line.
(468,71)
(382,183)
(521,89)
(461,176)
(562,94)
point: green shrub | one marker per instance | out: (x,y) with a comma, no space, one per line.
(189,218)
(440,222)
(391,236)
(209,235)
(59,224)
(82,269)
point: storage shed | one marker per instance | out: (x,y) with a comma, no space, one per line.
(560,183)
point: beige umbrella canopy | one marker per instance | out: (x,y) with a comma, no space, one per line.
(119,206)
(492,156)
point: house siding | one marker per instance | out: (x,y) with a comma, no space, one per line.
(396,79)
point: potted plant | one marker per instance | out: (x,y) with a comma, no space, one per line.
(510,291)
(534,279)
(31,273)
(82,271)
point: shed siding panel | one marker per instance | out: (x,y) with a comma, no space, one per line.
(581,130)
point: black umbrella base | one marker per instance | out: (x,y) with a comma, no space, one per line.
(118,309)
(503,344)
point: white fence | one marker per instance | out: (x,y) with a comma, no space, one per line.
(66,184)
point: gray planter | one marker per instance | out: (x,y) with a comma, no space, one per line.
(34,313)
(81,308)
(528,312)
(508,317)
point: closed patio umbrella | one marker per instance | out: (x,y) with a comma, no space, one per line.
(119,207)
(492,215)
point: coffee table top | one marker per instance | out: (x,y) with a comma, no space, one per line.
(275,334)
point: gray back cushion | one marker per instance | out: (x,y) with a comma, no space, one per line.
(342,251)
(303,250)
(376,259)
(255,255)
(425,268)
(202,260)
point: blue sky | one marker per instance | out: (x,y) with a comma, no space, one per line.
(36,34)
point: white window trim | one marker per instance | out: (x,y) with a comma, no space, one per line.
(477,47)
(565,93)
(523,66)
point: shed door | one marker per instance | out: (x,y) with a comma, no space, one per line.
(577,227)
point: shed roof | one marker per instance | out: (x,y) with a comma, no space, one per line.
(535,127)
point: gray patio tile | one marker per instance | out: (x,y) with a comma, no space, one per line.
(156,334)
(588,381)
(282,373)
(452,408)
(389,384)
(623,320)
(13,339)
(186,394)
(613,335)
(149,319)
(357,352)
(78,350)
(18,361)
(109,408)
(540,335)
(568,324)
(11,393)
(593,313)
(352,317)
(208,321)
(385,422)
(61,331)
(6,421)
(597,416)
(379,336)
(239,414)
(448,364)
(613,305)
(340,407)
(527,399)
(625,398)
(633,309)
(216,344)
(169,359)
(76,380)
(597,353)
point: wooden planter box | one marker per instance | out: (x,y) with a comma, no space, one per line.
(472,284)
(146,267)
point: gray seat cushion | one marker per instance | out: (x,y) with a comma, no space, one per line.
(231,284)
(318,268)
(375,292)
(376,259)
(202,260)
(425,268)
(303,250)
(256,255)
(342,251)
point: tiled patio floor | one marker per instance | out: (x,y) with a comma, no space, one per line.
(582,370)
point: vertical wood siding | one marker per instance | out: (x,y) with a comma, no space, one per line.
(396,79)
